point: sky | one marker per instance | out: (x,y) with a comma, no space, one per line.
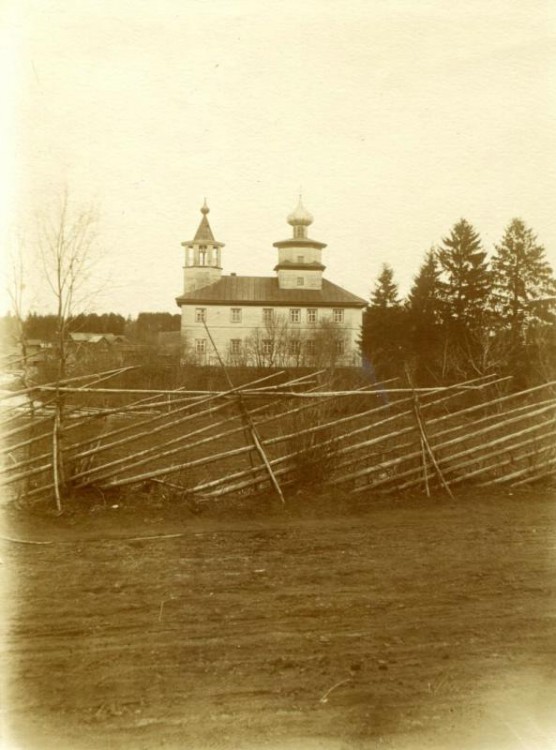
(394,119)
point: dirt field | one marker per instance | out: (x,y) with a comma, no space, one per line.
(331,625)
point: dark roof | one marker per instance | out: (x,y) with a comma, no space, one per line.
(260,290)
(299,242)
(289,264)
(204,232)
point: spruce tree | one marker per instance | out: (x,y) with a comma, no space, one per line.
(466,281)
(424,299)
(424,306)
(385,293)
(523,281)
(384,331)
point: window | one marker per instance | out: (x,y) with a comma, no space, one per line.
(200,314)
(340,346)
(294,347)
(338,316)
(268,314)
(202,255)
(312,315)
(295,315)
(301,259)
(235,315)
(267,346)
(200,347)
(300,281)
(235,346)
(311,347)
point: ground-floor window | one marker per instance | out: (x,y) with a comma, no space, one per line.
(267,346)
(294,347)
(235,346)
(200,347)
(311,347)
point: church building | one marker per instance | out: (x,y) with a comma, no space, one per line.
(294,318)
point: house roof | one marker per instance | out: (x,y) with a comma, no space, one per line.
(95,338)
(260,290)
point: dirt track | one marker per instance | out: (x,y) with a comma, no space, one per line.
(403,625)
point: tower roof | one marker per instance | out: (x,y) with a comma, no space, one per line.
(300,216)
(204,232)
(300,219)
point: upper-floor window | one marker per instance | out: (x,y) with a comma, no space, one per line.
(338,316)
(235,315)
(268,314)
(202,255)
(300,281)
(312,315)
(295,315)
(301,259)
(200,314)
(235,346)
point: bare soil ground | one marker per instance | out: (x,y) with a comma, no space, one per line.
(332,624)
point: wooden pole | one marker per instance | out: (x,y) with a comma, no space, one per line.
(249,422)
(481,447)
(55,463)
(209,459)
(425,441)
(281,438)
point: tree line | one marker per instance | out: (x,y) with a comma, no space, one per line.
(466,314)
(143,329)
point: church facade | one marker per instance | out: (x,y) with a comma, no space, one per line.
(294,318)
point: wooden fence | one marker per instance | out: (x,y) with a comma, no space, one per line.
(277,433)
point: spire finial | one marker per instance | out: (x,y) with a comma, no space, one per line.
(205,209)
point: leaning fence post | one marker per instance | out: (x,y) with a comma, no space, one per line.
(427,445)
(56,459)
(245,415)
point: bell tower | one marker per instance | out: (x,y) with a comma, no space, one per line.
(203,262)
(299,258)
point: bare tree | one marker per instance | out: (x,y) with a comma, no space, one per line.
(67,244)
(16,289)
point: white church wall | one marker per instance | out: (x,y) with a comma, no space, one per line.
(228,323)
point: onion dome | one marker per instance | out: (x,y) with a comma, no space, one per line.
(300,217)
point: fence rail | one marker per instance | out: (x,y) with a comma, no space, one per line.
(276,432)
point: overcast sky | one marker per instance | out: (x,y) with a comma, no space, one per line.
(394,118)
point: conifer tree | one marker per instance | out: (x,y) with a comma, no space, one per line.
(424,306)
(424,299)
(523,281)
(385,293)
(384,331)
(466,281)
